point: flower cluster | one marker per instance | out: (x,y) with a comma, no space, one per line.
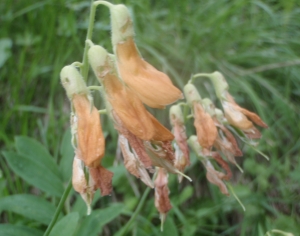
(128,83)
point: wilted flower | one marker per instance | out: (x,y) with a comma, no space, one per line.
(203,122)
(212,175)
(153,87)
(182,153)
(149,140)
(162,201)
(89,140)
(236,115)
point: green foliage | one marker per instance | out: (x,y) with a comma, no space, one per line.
(255,44)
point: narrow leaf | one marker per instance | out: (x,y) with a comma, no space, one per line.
(17,230)
(35,173)
(29,206)
(37,152)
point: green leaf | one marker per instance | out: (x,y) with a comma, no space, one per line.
(66,226)
(170,227)
(17,230)
(29,206)
(35,173)
(5,50)
(67,153)
(93,223)
(36,151)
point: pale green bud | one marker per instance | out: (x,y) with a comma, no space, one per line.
(72,81)
(175,112)
(208,106)
(121,23)
(191,94)
(220,84)
(98,58)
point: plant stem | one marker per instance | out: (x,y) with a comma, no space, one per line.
(59,208)
(135,214)
(85,65)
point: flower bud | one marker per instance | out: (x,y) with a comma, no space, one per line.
(191,94)
(220,84)
(72,81)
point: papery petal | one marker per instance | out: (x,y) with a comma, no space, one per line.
(135,142)
(234,148)
(102,178)
(133,164)
(153,87)
(91,142)
(223,164)
(162,201)
(251,115)
(205,127)
(215,177)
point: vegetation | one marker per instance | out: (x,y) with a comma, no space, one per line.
(255,44)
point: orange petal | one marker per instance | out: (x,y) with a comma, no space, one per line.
(103,179)
(205,127)
(251,115)
(91,143)
(153,87)
(129,108)
(224,165)
(161,133)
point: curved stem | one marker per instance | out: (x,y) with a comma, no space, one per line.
(199,75)
(59,208)
(85,65)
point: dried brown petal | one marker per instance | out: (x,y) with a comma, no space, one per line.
(135,142)
(91,143)
(181,139)
(102,178)
(223,164)
(162,201)
(216,177)
(205,127)
(133,164)
(153,87)
(236,150)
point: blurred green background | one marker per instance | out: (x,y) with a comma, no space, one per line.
(255,44)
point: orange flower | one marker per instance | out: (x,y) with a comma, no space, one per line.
(203,122)
(86,127)
(124,102)
(238,117)
(153,87)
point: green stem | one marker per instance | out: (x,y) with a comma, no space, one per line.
(59,208)
(85,65)
(135,214)
(199,75)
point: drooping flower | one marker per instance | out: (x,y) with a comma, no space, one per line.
(182,153)
(236,115)
(162,201)
(212,175)
(203,122)
(153,87)
(86,126)
(149,139)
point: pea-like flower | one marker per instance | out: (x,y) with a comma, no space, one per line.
(153,87)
